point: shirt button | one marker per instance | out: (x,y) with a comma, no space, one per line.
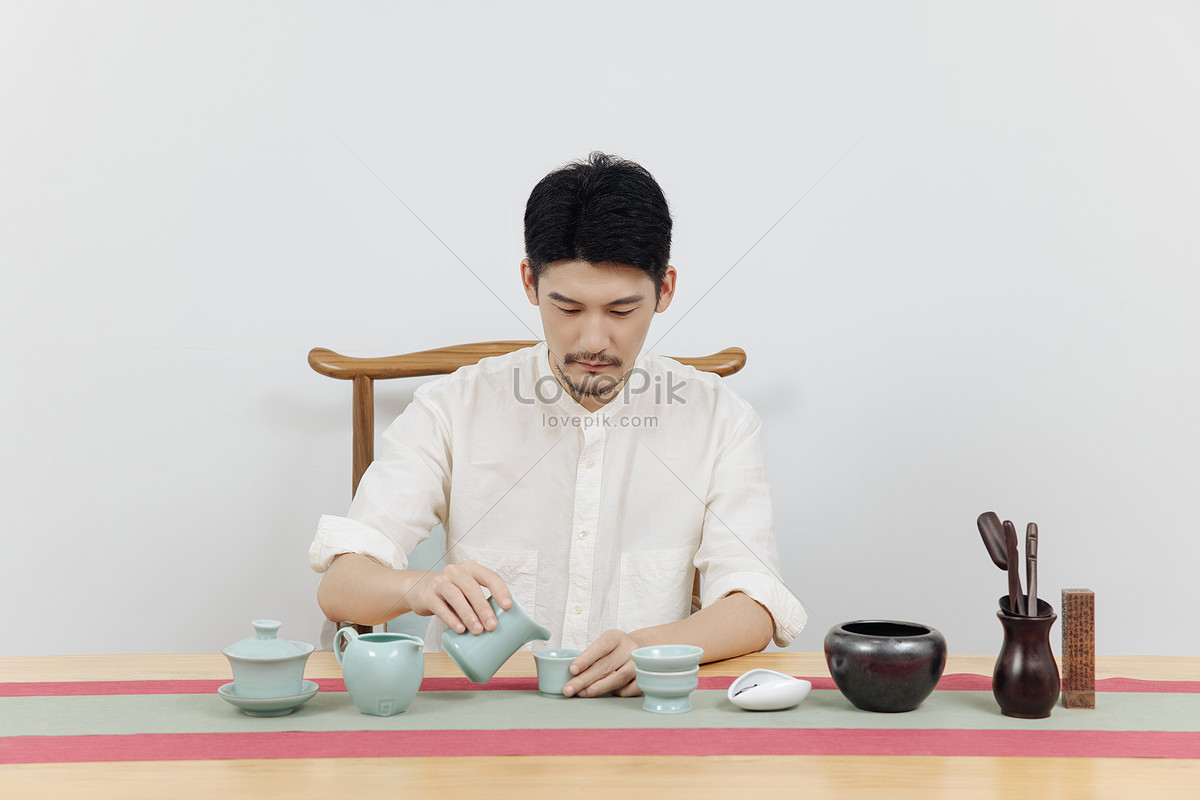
(583,534)
(591,462)
(578,609)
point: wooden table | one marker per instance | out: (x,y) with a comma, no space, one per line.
(533,777)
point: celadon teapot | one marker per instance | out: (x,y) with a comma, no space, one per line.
(383,671)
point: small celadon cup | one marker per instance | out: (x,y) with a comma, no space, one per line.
(480,655)
(668,692)
(265,665)
(667,657)
(554,670)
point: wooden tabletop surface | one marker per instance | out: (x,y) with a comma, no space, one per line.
(157,666)
(559,777)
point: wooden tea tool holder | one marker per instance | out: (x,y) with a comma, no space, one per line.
(1079,648)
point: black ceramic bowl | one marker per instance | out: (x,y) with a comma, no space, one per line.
(882,665)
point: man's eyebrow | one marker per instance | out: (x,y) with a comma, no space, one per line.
(624,301)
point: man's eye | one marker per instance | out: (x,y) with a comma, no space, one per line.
(568,310)
(623,313)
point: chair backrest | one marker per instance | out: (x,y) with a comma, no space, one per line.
(363,372)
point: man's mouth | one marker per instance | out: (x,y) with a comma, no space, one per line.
(586,364)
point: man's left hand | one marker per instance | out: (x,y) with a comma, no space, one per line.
(605,666)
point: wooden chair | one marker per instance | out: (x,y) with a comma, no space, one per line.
(363,372)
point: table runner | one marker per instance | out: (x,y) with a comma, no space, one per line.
(185,719)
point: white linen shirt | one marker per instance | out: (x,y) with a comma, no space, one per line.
(594,520)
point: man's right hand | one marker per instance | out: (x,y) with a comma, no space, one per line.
(455,595)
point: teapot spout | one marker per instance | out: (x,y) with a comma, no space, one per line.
(539,632)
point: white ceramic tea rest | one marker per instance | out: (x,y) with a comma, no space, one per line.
(767,690)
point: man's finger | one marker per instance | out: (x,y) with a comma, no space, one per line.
(494,583)
(459,605)
(440,609)
(480,607)
(606,683)
(590,655)
(593,679)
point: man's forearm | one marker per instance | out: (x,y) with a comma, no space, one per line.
(730,627)
(359,589)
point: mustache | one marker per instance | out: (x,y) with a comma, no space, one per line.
(592,358)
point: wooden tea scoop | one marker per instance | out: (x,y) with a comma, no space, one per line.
(993,538)
(1016,600)
(1031,539)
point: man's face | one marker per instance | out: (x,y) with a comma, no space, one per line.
(595,318)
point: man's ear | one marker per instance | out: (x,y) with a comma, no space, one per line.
(528,282)
(666,290)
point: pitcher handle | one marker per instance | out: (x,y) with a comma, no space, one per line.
(351,635)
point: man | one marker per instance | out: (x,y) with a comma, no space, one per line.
(582,476)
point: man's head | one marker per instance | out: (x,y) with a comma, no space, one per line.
(597,239)
(602,210)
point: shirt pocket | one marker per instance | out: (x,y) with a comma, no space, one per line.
(518,570)
(655,587)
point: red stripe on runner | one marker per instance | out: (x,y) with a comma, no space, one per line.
(956,682)
(682,741)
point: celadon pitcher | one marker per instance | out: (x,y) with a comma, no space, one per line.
(383,671)
(480,655)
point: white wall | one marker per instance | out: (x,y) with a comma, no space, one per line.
(988,303)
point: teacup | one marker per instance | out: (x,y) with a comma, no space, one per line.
(479,655)
(667,692)
(667,657)
(553,670)
(266,666)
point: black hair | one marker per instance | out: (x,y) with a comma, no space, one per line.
(604,209)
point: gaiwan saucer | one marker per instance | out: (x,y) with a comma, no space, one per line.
(767,690)
(269,706)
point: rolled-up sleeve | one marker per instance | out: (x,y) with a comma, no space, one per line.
(338,535)
(402,495)
(738,552)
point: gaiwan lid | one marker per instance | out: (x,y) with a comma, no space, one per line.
(264,645)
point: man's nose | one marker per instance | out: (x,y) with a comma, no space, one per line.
(594,337)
